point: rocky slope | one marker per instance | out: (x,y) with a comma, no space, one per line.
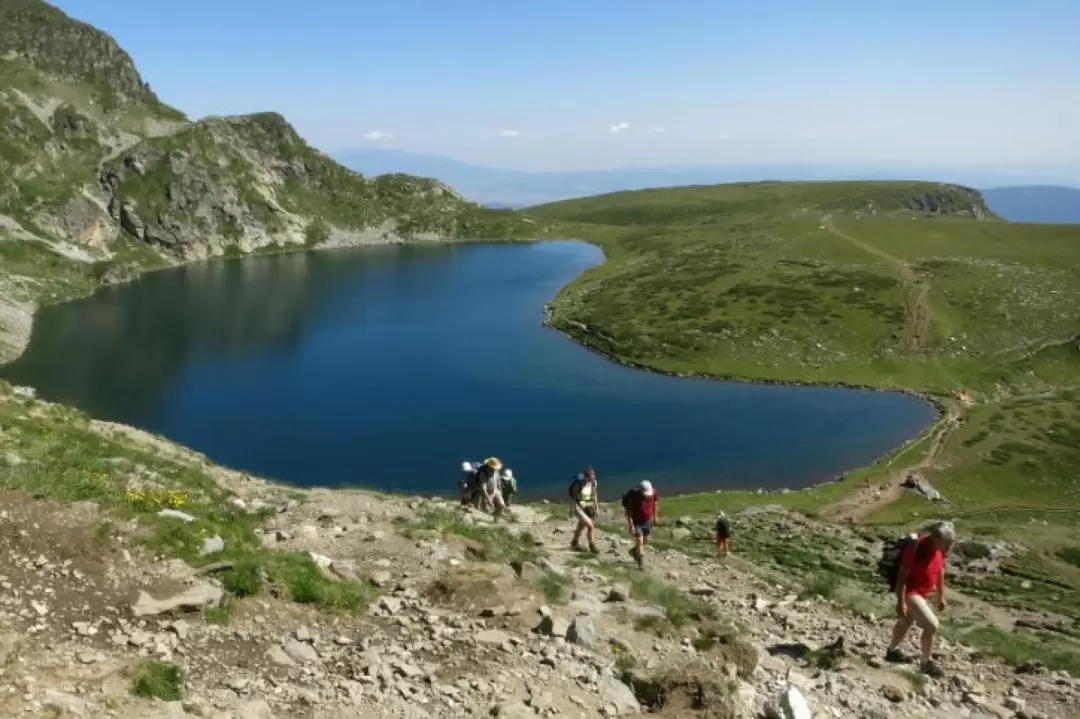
(104,613)
(96,169)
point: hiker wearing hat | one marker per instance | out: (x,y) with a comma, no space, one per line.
(490,485)
(921,573)
(585,497)
(642,506)
(723,535)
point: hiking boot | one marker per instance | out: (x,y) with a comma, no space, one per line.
(932,669)
(594,549)
(639,557)
(895,656)
(576,547)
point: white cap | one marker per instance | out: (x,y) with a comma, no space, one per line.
(508,473)
(466,466)
(646,487)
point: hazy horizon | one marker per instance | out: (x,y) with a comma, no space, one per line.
(573,86)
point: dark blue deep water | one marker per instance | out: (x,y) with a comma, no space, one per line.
(387,367)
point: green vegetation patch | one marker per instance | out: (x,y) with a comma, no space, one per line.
(158,680)
(63,458)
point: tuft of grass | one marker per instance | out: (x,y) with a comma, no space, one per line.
(244,579)
(919,682)
(820,585)
(625,662)
(158,680)
(64,460)
(554,587)
(1017,648)
(221,613)
(733,648)
(488,543)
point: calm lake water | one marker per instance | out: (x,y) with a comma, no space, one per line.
(387,367)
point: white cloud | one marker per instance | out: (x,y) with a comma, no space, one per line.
(378,136)
(657,131)
(619,127)
(509,133)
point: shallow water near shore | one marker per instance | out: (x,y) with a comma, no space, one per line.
(386,367)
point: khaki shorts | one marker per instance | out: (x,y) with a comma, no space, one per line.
(920,613)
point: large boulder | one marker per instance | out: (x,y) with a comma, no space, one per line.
(192,599)
(618,696)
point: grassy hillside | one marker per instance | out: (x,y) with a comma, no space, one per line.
(912,286)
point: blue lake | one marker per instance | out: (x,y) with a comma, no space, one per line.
(387,367)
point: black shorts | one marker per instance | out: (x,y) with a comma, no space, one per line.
(589,510)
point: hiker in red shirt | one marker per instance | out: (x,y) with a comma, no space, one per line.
(922,571)
(642,506)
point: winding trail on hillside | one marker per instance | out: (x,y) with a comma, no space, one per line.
(876,496)
(916,289)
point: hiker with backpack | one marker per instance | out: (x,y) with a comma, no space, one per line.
(642,507)
(915,567)
(467,483)
(723,535)
(585,499)
(508,485)
(490,481)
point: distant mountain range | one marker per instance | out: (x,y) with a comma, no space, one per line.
(1035,203)
(514,188)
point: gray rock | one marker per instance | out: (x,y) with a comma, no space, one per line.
(746,697)
(552,626)
(581,631)
(180,629)
(130,221)
(684,522)
(10,644)
(527,571)
(176,514)
(278,656)
(493,636)
(788,704)
(381,578)
(391,605)
(67,705)
(618,695)
(300,652)
(681,533)
(618,593)
(193,598)
(257,709)
(892,693)
(212,545)
(515,710)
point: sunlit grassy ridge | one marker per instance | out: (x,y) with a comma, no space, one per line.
(910,286)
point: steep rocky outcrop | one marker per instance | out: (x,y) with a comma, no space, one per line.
(249,182)
(92,156)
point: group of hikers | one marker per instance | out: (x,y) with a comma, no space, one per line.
(488,485)
(491,486)
(913,566)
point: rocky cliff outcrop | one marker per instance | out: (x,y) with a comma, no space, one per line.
(91,157)
(250,182)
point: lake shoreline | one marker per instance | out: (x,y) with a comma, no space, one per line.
(933,402)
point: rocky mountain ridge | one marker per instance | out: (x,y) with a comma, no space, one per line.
(95,156)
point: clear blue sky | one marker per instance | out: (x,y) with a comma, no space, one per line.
(561,84)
